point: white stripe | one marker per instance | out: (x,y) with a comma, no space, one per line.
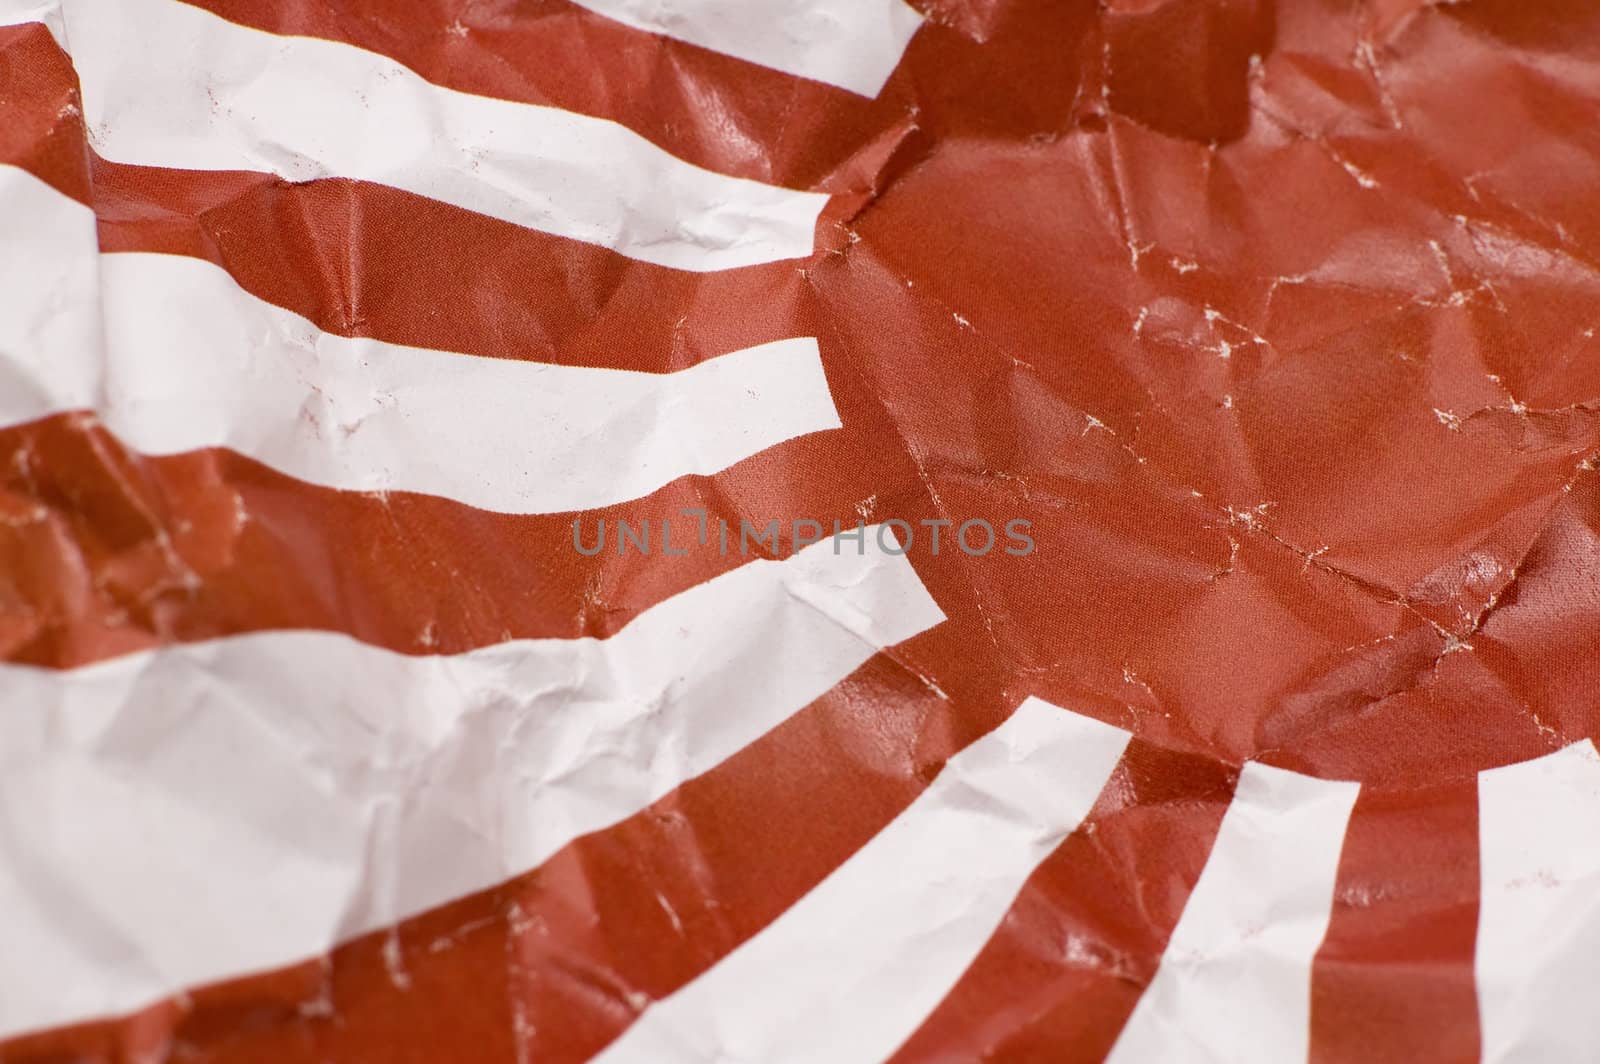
(850,971)
(1538,960)
(198,362)
(209,810)
(50,339)
(191,360)
(854,44)
(1235,981)
(167,84)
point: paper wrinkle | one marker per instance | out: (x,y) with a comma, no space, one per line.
(1386,595)
(1429,647)
(51,340)
(1539,913)
(194,361)
(374,791)
(844,974)
(1437,615)
(1228,516)
(854,44)
(1234,981)
(305,108)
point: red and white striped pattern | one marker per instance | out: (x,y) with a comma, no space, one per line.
(324,789)
(190,360)
(530,306)
(167,84)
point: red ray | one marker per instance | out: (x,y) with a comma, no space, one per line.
(1065,969)
(1393,980)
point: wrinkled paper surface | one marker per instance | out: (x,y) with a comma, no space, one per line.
(1276,321)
